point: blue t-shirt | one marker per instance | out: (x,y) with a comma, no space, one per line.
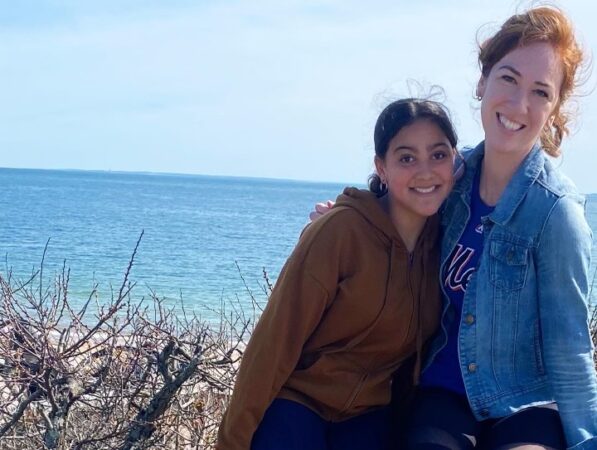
(444,371)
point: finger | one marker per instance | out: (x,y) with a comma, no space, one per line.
(313,216)
(321,208)
(324,207)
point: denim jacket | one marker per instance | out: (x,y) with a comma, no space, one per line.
(524,337)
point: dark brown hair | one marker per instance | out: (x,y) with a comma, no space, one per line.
(400,114)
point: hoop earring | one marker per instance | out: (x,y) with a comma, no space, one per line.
(383,186)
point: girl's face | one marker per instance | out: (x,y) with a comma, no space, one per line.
(418,169)
(519,96)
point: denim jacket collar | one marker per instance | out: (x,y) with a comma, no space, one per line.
(526,174)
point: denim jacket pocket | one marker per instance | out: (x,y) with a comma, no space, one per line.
(508,264)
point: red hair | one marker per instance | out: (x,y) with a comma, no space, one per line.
(543,24)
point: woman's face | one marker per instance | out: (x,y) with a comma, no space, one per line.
(518,98)
(418,169)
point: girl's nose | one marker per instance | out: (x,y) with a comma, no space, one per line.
(425,170)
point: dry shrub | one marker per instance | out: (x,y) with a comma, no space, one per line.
(116,375)
(113,375)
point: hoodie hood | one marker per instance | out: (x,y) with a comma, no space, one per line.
(368,205)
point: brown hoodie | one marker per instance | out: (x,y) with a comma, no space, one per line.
(350,305)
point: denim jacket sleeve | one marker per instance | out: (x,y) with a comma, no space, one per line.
(563,258)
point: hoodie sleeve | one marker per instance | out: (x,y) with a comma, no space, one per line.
(295,308)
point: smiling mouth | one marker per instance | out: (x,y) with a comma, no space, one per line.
(509,125)
(426,190)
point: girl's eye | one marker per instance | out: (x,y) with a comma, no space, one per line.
(439,155)
(406,159)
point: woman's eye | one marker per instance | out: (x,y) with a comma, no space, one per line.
(508,79)
(440,155)
(542,93)
(406,159)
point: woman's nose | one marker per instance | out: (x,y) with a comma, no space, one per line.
(519,101)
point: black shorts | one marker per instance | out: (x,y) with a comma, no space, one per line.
(441,419)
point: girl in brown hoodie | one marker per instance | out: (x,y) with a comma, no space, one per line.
(356,298)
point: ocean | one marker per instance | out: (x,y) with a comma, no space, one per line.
(207,240)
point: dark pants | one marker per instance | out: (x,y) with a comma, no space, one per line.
(443,420)
(288,425)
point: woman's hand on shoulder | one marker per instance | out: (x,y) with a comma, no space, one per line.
(321,209)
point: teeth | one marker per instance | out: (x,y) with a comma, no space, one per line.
(425,190)
(509,124)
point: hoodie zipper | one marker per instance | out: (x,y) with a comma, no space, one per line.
(411,261)
(416,310)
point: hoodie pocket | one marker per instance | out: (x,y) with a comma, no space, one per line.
(355,392)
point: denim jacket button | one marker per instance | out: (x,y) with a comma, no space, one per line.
(472,367)
(469,319)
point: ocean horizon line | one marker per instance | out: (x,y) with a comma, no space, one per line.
(205,176)
(182,174)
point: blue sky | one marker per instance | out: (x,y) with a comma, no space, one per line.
(263,88)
